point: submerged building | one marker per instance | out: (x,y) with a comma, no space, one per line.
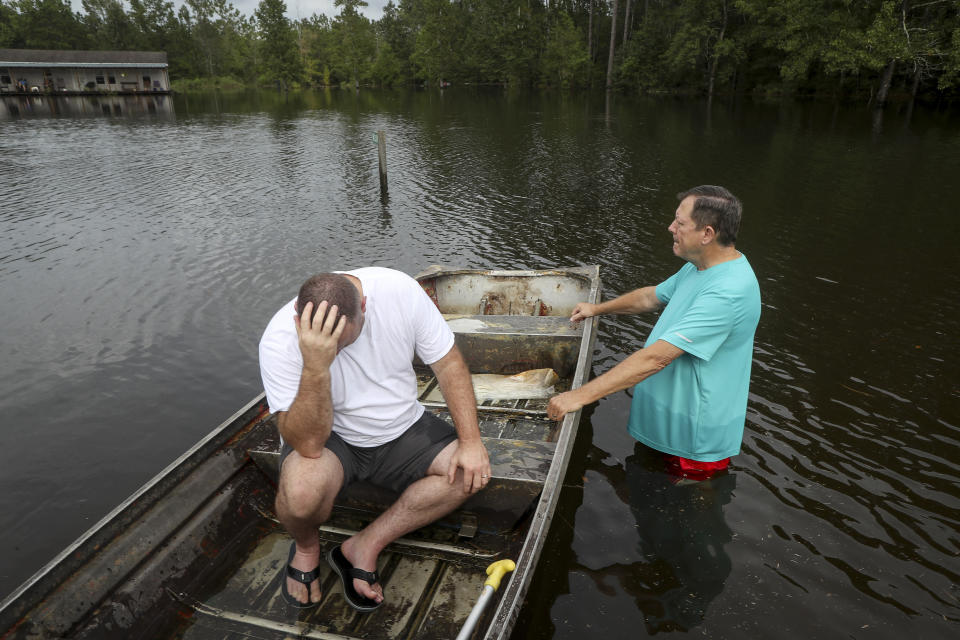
(53,71)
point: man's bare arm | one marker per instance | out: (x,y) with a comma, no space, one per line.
(307,424)
(457,388)
(637,301)
(309,421)
(639,366)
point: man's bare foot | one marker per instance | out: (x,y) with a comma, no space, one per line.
(305,561)
(367,562)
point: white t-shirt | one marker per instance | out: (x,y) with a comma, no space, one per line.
(372,382)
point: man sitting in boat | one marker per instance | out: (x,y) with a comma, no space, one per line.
(337,368)
(692,376)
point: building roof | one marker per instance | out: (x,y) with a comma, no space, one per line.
(63,58)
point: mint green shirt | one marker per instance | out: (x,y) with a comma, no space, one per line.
(697,405)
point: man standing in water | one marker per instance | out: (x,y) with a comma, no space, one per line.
(337,367)
(692,376)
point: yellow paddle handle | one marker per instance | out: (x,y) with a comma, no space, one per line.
(496,571)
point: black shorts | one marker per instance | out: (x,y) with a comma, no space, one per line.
(396,464)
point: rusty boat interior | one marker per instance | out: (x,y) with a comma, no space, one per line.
(198,553)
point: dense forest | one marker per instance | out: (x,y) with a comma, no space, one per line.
(871,50)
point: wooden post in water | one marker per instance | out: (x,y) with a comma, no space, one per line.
(382,147)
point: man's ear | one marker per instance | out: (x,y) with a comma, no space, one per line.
(709,235)
(363,304)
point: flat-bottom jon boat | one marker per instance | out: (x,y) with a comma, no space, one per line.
(197,552)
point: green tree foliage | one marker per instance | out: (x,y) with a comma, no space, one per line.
(318,49)
(355,42)
(8,19)
(500,40)
(807,33)
(868,49)
(821,43)
(565,57)
(394,39)
(155,22)
(436,50)
(279,55)
(45,24)
(109,26)
(916,37)
(215,29)
(951,62)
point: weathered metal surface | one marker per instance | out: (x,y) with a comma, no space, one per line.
(511,344)
(506,353)
(197,553)
(73,582)
(425,596)
(523,293)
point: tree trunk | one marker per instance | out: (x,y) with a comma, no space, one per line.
(626,23)
(590,34)
(913,91)
(613,44)
(885,83)
(916,83)
(716,55)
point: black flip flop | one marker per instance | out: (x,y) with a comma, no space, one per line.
(347,573)
(303,577)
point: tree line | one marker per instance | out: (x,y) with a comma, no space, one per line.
(858,49)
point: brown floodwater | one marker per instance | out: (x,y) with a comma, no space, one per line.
(146,242)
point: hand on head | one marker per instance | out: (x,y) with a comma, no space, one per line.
(319,334)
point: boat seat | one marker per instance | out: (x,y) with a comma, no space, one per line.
(510,344)
(518,472)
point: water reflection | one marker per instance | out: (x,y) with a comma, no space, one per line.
(137,106)
(680,562)
(682,538)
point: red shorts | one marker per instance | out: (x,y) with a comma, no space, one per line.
(693,469)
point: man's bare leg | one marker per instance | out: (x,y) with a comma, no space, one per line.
(305,496)
(424,501)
